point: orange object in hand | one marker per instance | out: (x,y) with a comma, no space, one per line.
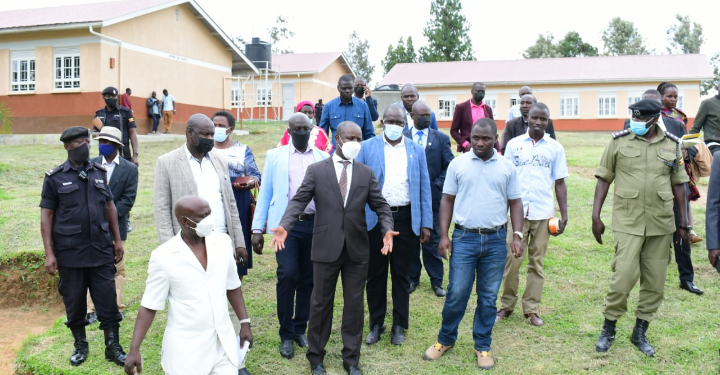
(553,225)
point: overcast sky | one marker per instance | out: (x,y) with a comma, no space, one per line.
(500,30)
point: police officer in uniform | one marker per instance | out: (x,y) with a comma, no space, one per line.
(647,167)
(122,118)
(82,242)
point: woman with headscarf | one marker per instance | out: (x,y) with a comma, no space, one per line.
(318,137)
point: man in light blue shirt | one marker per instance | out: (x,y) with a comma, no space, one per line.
(479,187)
(540,163)
(346,107)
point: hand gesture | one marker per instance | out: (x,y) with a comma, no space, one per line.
(133,360)
(367,91)
(445,247)
(241,254)
(278,240)
(388,242)
(598,228)
(258,241)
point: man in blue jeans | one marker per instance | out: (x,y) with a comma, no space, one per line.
(478,243)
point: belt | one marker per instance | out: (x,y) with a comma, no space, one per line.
(480,230)
(398,208)
(306,217)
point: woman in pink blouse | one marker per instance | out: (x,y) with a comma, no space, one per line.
(318,137)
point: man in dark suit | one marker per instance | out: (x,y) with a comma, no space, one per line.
(467,114)
(438,155)
(519,125)
(341,188)
(682,250)
(712,213)
(122,178)
(362,92)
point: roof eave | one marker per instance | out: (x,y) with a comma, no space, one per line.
(55,27)
(565,82)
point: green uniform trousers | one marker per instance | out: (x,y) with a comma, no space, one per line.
(643,257)
(535,237)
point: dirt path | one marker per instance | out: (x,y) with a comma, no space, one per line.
(17,324)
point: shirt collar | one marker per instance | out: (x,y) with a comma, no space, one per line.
(338,159)
(190,156)
(494,156)
(294,150)
(526,136)
(116,160)
(401,144)
(473,105)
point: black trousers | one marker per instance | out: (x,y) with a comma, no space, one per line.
(73,287)
(325,277)
(295,281)
(683,256)
(400,262)
(431,258)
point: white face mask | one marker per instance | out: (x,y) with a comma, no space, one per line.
(204,227)
(350,149)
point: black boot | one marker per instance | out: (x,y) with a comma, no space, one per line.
(81,346)
(639,337)
(606,337)
(113,351)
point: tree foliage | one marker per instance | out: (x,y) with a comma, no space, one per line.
(684,37)
(402,53)
(280,33)
(447,33)
(622,38)
(710,84)
(544,47)
(574,46)
(357,57)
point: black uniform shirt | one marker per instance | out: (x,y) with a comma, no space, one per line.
(81,232)
(120,117)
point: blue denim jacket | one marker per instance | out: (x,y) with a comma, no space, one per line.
(336,112)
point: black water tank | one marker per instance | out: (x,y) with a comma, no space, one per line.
(259,52)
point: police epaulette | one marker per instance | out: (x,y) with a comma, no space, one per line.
(673,137)
(621,133)
(99,166)
(54,170)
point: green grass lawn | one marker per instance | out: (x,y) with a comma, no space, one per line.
(686,333)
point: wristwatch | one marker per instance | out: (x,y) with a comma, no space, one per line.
(519,233)
(685,228)
(246,320)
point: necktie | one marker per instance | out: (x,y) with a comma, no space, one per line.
(343,180)
(420,140)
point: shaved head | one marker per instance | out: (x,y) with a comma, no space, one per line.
(530,97)
(408,87)
(420,105)
(198,119)
(346,125)
(298,118)
(392,109)
(191,206)
(525,90)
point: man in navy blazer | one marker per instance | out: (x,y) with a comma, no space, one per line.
(401,170)
(438,155)
(123,180)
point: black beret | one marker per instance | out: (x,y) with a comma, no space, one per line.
(645,108)
(110,91)
(74,132)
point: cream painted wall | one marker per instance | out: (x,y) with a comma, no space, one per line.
(37,35)
(588,104)
(503,106)
(621,104)
(552,101)
(5,71)
(691,102)
(186,37)
(332,73)
(109,76)
(432,101)
(45,70)
(90,67)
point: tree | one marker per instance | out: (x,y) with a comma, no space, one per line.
(357,57)
(400,54)
(710,84)
(573,46)
(543,47)
(447,33)
(622,38)
(279,33)
(685,38)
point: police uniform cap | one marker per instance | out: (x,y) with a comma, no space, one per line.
(645,108)
(111,134)
(74,132)
(110,91)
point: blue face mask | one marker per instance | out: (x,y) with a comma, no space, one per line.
(393,132)
(638,127)
(106,150)
(220,134)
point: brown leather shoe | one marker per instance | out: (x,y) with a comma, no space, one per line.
(502,314)
(435,351)
(694,238)
(534,319)
(485,360)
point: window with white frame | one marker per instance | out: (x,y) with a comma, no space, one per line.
(264,96)
(237,97)
(446,108)
(491,102)
(606,106)
(569,106)
(22,71)
(67,68)
(632,99)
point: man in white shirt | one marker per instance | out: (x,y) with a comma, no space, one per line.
(515,109)
(540,164)
(195,271)
(169,109)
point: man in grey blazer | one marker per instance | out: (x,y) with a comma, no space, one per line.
(341,187)
(712,213)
